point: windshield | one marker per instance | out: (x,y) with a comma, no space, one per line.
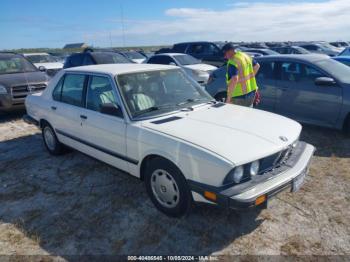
(134,55)
(15,64)
(41,58)
(301,50)
(186,60)
(336,69)
(271,52)
(110,58)
(152,93)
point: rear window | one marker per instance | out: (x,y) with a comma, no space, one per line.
(110,58)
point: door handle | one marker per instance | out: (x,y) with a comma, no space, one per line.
(53,107)
(83,117)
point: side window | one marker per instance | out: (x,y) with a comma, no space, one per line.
(290,71)
(72,89)
(211,49)
(56,94)
(311,73)
(266,70)
(101,98)
(197,49)
(179,48)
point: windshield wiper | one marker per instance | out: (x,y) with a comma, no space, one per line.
(150,109)
(188,101)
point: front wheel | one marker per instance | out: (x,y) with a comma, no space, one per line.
(167,188)
(50,140)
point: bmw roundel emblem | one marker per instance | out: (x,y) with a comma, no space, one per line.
(284,139)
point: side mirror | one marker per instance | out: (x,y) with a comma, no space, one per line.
(172,63)
(325,81)
(111,109)
(42,68)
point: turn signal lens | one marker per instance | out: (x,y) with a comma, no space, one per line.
(210,195)
(260,200)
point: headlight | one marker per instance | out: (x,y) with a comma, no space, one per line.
(238,174)
(254,168)
(235,175)
(3,90)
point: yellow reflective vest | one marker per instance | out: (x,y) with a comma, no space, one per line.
(246,82)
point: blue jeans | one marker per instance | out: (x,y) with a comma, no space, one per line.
(245,100)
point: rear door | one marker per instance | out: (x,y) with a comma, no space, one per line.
(65,109)
(300,98)
(103,133)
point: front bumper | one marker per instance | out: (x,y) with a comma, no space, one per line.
(269,184)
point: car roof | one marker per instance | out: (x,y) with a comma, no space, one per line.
(171,54)
(302,57)
(29,54)
(117,69)
(195,42)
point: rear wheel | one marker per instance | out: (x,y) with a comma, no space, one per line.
(167,188)
(50,140)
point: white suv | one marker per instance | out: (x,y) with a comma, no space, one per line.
(156,123)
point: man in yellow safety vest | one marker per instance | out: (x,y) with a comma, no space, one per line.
(240,77)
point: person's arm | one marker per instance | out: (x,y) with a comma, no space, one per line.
(231,86)
(256,68)
(233,76)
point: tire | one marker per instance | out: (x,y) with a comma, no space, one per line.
(167,188)
(221,97)
(50,140)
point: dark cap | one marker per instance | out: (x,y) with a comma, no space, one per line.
(228,47)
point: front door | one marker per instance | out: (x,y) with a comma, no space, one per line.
(300,98)
(103,131)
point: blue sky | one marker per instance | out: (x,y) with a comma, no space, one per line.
(44,23)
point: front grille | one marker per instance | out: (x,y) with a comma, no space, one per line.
(275,160)
(21,91)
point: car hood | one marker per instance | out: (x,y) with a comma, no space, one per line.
(54,65)
(201,67)
(236,133)
(23,78)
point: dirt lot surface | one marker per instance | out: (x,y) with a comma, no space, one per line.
(72,204)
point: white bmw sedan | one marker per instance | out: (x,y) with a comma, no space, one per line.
(156,123)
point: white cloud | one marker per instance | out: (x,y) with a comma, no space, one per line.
(327,20)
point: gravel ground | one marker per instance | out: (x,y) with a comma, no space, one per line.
(75,205)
